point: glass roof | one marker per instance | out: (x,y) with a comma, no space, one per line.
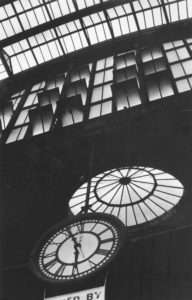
(36,31)
(135,195)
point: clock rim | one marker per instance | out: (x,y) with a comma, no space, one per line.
(34,256)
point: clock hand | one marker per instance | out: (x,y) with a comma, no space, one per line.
(76,254)
(76,244)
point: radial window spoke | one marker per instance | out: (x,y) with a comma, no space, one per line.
(133,194)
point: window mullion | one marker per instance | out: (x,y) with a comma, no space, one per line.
(54,28)
(162,3)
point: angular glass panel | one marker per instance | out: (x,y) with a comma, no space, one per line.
(177,70)
(66,118)
(172,56)
(6,114)
(121,100)
(134,97)
(187,65)
(31,100)
(153,90)
(166,87)
(17,134)
(77,115)
(38,86)
(22,118)
(49,97)
(41,119)
(125,74)
(77,88)
(183,85)
(183,53)
(82,73)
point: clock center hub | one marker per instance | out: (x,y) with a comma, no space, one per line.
(124,180)
(77,249)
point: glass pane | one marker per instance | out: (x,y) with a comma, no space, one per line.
(187,66)
(95,111)
(66,119)
(109,62)
(177,70)
(108,75)
(153,90)
(100,64)
(182,85)
(182,53)
(134,97)
(106,107)
(172,56)
(166,88)
(96,94)
(77,115)
(107,92)
(17,134)
(22,118)
(99,78)
(31,99)
(121,100)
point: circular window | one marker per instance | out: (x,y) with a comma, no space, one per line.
(133,194)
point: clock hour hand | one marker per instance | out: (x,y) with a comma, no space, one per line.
(76,244)
(76,253)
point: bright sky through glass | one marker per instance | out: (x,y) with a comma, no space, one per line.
(135,195)
(81,32)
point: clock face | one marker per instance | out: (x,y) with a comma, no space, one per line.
(76,249)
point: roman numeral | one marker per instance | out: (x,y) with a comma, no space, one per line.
(102,252)
(60,270)
(91,262)
(107,240)
(103,231)
(75,270)
(50,254)
(56,243)
(50,264)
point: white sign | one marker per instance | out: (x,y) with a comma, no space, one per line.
(91,294)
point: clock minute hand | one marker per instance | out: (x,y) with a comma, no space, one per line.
(76,254)
(76,244)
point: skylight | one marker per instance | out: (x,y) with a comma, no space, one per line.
(135,195)
(36,31)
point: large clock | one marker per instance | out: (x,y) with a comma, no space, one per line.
(75,249)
